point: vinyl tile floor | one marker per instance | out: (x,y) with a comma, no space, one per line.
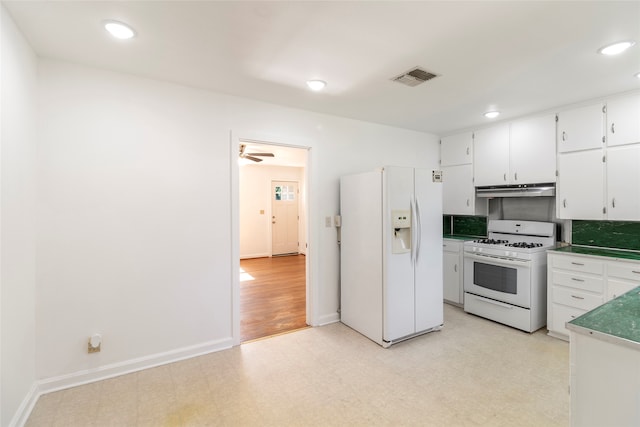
(473,372)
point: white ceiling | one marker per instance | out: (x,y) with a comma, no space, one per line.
(519,57)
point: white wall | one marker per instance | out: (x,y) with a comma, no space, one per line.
(255,196)
(17,222)
(134,199)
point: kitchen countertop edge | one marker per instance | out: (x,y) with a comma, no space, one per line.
(463,237)
(598,252)
(603,336)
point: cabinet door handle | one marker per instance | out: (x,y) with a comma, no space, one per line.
(467,202)
(564,136)
(613,202)
(576,297)
(455,267)
(613,128)
(467,151)
(577,280)
(505,177)
(564,203)
(635,272)
(515,176)
(577,263)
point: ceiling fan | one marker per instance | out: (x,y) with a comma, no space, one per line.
(252,156)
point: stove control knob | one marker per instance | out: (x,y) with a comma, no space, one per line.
(506,253)
(515,254)
(479,249)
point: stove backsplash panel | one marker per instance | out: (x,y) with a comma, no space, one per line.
(606,234)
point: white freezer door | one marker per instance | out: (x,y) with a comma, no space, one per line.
(398,284)
(361,253)
(428,270)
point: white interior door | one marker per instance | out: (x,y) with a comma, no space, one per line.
(284,217)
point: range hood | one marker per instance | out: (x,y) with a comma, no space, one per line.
(523,190)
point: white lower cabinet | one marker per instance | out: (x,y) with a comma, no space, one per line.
(605,382)
(575,286)
(621,278)
(580,283)
(453,257)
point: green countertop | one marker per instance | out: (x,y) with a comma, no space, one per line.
(609,253)
(461,237)
(617,321)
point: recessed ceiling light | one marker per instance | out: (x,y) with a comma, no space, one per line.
(316,85)
(492,114)
(637,75)
(616,48)
(119,30)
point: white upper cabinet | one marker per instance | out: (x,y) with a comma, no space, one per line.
(456,149)
(623,120)
(580,189)
(458,192)
(623,183)
(581,128)
(491,156)
(533,150)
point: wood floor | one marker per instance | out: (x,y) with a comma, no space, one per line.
(272,296)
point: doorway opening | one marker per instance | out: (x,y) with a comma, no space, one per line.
(272,239)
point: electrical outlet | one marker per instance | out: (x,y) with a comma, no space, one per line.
(91,349)
(94,344)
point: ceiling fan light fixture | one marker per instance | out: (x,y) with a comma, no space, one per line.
(119,30)
(616,48)
(492,114)
(316,85)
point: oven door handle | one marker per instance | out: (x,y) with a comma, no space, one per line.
(497,260)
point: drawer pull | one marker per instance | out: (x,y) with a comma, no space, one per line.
(576,297)
(636,272)
(577,280)
(577,263)
(573,317)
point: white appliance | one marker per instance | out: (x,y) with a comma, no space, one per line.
(391,253)
(505,275)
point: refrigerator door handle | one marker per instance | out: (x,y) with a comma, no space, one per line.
(419,230)
(413,230)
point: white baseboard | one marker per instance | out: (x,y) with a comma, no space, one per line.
(326,319)
(22,414)
(121,368)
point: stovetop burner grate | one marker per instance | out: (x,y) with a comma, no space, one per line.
(525,245)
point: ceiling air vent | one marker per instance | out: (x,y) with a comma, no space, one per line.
(414,77)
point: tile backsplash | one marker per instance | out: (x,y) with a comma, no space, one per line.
(446,224)
(465,225)
(606,234)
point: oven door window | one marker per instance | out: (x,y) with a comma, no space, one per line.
(495,277)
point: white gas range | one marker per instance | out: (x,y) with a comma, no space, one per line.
(505,274)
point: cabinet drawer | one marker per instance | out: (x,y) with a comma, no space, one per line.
(578,281)
(579,264)
(560,315)
(624,270)
(575,298)
(451,245)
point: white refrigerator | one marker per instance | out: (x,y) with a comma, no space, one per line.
(391,253)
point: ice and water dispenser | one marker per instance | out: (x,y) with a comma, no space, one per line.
(401,223)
